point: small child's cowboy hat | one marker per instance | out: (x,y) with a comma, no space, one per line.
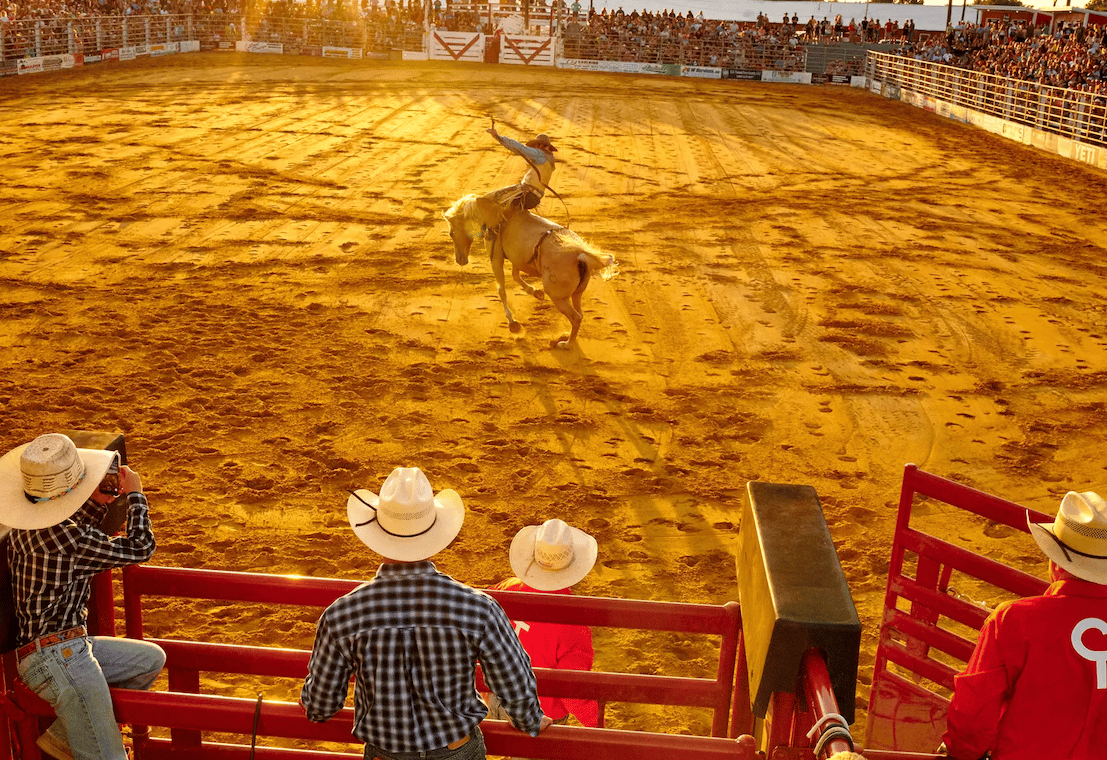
(552,556)
(1077,539)
(47,480)
(407,521)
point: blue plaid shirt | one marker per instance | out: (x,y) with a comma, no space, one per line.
(413,636)
(51,568)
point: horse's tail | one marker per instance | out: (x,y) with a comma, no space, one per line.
(596,260)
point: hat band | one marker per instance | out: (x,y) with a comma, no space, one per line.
(558,560)
(1066,548)
(386,530)
(44,499)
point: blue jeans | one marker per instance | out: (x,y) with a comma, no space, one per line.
(73,676)
(471,750)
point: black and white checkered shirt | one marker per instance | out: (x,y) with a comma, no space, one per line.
(413,636)
(51,567)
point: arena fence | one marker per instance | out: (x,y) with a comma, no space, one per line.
(1072,123)
(930,622)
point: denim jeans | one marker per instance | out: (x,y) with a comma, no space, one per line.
(471,750)
(73,676)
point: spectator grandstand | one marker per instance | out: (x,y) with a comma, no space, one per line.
(1071,57)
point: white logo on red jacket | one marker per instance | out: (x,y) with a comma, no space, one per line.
(1099,657)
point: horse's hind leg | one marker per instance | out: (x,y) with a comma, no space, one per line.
(570,307)
(498,271)
(518,277)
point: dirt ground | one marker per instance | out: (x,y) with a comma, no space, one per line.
(240,262)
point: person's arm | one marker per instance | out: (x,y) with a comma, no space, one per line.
(329,670)
(535,155)
(979,694)
(507,671)
(99,551)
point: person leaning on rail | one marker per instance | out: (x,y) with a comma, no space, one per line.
(414,636)
(1036,684)
(55,497)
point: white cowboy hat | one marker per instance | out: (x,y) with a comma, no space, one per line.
(1077,538)
(407,522)
(47,480)
(552,556)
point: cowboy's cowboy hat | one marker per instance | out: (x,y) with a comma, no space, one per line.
(56,475)
(542,141)
(407,521)
(552,556)
(1077,539)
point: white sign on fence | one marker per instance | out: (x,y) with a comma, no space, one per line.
(341,52)
(457,46)
(527,51)
(259,47)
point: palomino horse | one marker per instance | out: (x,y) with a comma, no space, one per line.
(534,246)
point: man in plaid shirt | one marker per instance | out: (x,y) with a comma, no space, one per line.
(55,497)
(413,636)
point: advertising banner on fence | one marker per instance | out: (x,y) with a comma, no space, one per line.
(46,63)
(259,47)
(341,52)
(750,75)
(619,67)
(164,48)
(189,46)
(701,72)
(109,54)
(787,77)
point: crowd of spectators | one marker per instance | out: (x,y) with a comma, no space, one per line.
(1071,56)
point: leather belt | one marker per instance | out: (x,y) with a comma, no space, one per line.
(49,640)
(459,743)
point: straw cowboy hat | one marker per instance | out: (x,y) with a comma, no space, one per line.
(407,521)
(542,141)
(552,556)
(45,482)
(1077,538)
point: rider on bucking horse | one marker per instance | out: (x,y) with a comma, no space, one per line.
(539,155)
(528,193)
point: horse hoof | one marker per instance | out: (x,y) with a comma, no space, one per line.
(562,342)
(539,294)
(515,327)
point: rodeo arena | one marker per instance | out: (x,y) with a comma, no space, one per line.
(783,439)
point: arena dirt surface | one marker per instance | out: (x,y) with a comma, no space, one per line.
(240,263)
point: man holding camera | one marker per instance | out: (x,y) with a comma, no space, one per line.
(55,496)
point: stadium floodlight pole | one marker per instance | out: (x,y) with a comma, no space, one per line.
(949,12)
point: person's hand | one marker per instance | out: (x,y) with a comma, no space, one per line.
(492,131)
(547,721)
(129,481)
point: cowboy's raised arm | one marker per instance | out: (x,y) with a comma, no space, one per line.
(535,155)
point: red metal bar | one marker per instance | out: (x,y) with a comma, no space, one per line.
(779,719)
(219,585)
(741,710)
(163,749)
(939,638)
(973,564)
(101,605)
(284,719)
(724,677)
(820,699)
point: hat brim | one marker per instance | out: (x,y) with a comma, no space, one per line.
(449,516)
(17,512)
(521,556)
(1086,568)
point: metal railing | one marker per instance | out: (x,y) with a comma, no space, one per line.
(34,38)
(1075,114)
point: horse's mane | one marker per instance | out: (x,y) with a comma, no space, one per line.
(466,208)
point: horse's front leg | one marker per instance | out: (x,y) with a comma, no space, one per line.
(498,271)
(517,275)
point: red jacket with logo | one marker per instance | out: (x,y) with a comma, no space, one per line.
(555,645)
(1036,685)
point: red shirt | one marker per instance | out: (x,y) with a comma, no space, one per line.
(1036,685)
(555,645)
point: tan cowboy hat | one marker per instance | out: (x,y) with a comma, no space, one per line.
(1077,538)
(47,480)
(407,521)
(542,141)
(552,556)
